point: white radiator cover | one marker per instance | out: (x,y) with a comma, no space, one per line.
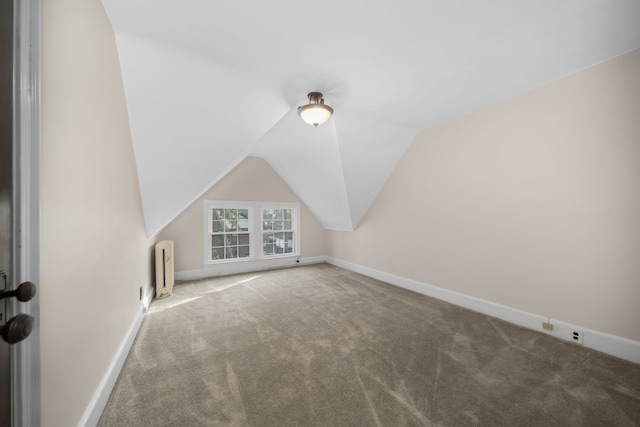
(164,268)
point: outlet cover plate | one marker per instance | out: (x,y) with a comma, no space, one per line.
(576,336)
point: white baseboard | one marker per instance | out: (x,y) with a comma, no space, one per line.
(610,344)
(246,267)
(99,400)
(146,301)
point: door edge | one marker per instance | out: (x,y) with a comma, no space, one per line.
(26,404)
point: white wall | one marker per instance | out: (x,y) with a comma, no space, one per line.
(533,203)
(95,253)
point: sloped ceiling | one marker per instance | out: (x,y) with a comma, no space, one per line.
(210,82)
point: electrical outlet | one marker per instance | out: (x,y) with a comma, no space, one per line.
(576,336)
(547,325)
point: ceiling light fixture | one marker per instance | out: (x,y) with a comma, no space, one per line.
(315,112)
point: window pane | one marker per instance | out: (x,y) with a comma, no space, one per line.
(267,244)
(218,214)
(243,219)
(287,214)
(243,239)
(278,213)
(267,238)
(267,225)
(243,251)
(231,214)
(288,243)
(287,225)
(217,253)
(217,240)
(231,225)
(277,225)
(267,249)
(218,226)
(279,243)
(231,253)
(232,240)
(267,214)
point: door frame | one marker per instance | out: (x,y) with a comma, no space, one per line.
(26,405)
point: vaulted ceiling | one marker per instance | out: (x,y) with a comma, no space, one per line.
(208,83)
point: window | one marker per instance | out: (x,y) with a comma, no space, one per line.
(229,233)
(277,231)
(245,231)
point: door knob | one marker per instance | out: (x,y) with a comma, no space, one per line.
(23,293)
(17,328)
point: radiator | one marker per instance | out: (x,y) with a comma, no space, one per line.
(164,268)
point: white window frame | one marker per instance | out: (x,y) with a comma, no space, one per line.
(255,229)
(292,230)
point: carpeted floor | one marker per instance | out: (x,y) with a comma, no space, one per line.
(321,346)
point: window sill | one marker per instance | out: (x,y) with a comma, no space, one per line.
(236,266)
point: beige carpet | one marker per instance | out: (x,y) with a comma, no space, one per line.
(321,346)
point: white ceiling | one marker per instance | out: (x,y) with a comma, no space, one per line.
(210,82)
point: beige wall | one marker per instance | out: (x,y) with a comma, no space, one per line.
(533,203)
(252,180)
(95,254)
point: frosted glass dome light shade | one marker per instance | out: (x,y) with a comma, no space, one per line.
(316,112)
